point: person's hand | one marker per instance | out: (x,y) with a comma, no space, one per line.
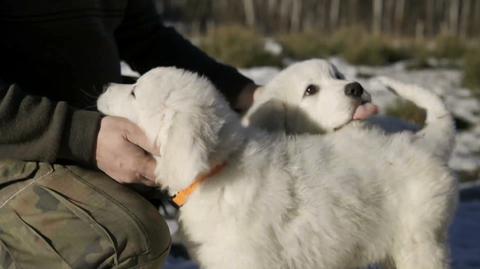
(245,98)
(124,153)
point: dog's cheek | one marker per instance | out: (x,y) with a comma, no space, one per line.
(123,107)
(258,93)
(269,116)
(103,103)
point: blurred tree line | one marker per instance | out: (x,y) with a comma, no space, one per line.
(411,18)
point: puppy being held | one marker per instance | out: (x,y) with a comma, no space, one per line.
(314,97)
(252,199)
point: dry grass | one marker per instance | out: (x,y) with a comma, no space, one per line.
(355,45)
(407,111)
(244,47)
(471,75)
(237,46)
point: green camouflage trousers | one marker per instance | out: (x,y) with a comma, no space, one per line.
(54,216)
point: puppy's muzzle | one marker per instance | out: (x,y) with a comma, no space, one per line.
(354,90)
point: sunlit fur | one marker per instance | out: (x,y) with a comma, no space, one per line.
(334,201)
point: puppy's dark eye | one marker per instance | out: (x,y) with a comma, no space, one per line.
(133,92)
(311,90)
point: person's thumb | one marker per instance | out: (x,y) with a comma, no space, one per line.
(137,136)
(147,168)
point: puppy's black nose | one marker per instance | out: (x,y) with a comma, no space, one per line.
(354,89)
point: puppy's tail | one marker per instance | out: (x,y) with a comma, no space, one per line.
(438,134)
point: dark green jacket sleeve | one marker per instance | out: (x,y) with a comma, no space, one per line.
(37,129)
(144,42)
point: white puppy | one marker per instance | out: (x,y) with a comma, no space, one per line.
(311,96)
(288,104)
(334,201)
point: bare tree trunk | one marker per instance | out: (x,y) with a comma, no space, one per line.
(466,5)
(453,16)
(476,19)
(249,8)
(444,20)
(334,13)
(420,18)
(399,13)
(387,16)
(419,30)
(430,17)
(271,13)
(377,16)
(271,4)
(283,18)
(309,15)
(321,9)
(296,13)
(353,12)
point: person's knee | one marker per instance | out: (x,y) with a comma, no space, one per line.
(32,240)
(155,243)
(141,235)
(82,220)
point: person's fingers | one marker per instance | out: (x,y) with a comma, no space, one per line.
(146,167)
(148,182)
(121,152)
(246,97)
(137,136)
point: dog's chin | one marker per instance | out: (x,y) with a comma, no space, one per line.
(339,127)
(360,112)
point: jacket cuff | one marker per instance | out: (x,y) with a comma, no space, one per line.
(80,137)
(229,81)
(246,97)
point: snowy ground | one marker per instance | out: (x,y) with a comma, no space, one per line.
(465,231)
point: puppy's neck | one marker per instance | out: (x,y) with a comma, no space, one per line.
(231,138)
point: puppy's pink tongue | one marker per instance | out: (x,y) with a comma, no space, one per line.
(365,111)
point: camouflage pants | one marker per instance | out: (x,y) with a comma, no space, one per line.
(54,216)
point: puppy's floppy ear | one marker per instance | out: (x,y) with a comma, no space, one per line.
(270,116)
(337,73)
(185,149)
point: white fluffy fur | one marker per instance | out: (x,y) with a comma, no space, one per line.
(335,201)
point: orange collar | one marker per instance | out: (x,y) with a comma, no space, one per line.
(181,197)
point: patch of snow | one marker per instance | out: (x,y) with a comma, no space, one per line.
(260,75)
(273,47)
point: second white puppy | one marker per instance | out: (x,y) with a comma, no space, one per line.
(314,97)
(335,201)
